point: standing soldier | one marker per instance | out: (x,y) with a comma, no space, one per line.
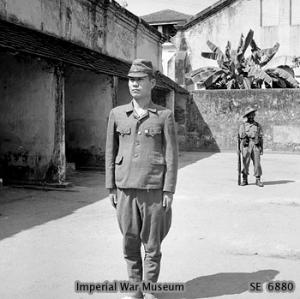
(251,146)
(141,172)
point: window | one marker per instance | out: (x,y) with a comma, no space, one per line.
(270,12)
(295,12)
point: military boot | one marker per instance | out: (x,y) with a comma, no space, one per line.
(149,296)
(245,180)
(258,182)
(136,295)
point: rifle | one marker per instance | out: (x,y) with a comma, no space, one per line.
(239,159)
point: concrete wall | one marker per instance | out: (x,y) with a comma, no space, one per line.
(168,53)
(214,118)
(123,95)
(28,120)
(229,23)
(121,33)
(88,102)
(180,114)
(105,27)
(148,48)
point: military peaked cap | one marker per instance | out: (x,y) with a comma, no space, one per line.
(140,68)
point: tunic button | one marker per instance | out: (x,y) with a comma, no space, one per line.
(139,132)
(136,155)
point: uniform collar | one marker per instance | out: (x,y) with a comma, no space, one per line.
(251,124)
(151,108)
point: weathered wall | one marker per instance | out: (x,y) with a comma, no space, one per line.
(159,96)
(149,48)
(105,27)
(229,23)
(123,95)
(214,118)
(68,19)
(121,33)
(181,118)
(168,53)
(27,119)
(88,98)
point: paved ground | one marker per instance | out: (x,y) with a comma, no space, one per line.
(223,236)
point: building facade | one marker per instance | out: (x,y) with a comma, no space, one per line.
(166,21)
(272,21)
(63,66)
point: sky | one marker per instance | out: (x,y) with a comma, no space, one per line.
(144,7)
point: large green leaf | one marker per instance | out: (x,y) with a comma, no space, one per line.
(230,84)
(254,46)
(221,58)
(214,78)
(202,74)
(214,48)
(209,55)
(228,50)
(279,83)
(284,75)
(288,69)
(240,44)
(268,54)
(244,44)
(258,74)
(247,83)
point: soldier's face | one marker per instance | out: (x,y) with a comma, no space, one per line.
(140,87)
(251,116)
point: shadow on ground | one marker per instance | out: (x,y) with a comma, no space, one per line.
(21,209)
(220,284)
(280,182)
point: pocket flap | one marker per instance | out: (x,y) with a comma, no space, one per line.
(153,131)
(158,160)
(119,159)
(124,131)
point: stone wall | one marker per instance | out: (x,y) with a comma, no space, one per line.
(214,117)
(31,120)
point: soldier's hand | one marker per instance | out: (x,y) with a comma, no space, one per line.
(167,200)
(261,151)
(113,197)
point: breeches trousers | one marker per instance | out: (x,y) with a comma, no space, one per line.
(251,152)
(142,220)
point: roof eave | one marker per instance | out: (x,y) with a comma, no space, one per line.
(209,11)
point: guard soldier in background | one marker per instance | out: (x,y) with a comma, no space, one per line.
(141,172)
(251,146)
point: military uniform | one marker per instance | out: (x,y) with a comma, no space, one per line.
(142,163)
(251,146)
(141,153)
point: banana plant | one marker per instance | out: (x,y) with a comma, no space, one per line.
(234,71)
(231,74)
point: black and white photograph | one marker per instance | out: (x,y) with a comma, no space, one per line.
(149,149)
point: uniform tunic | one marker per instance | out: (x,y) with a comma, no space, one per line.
(141,152)
(251,137)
